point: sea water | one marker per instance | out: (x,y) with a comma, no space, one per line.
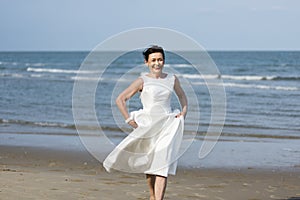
(262,92)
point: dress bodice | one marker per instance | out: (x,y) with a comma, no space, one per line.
(156,94)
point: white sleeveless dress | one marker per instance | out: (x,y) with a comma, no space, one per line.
(153,147)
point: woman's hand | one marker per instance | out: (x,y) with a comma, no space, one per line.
(180,114)
(133,124)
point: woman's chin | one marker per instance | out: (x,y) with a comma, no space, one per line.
(156,71)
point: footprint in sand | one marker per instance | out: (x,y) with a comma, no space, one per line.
(94,189)
(199,195)
(127,176)
(221,185)
(76,180)
(189,196)
(271,189)
(52,164)
(246,184)
(9,170)
(135,194)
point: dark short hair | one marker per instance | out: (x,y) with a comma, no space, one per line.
(153,49)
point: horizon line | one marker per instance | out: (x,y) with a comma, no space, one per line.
(209,50)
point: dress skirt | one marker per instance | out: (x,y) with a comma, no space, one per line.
(152,148)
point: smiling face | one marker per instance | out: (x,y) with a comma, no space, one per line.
(155,63)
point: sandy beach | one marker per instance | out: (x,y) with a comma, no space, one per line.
(41,173)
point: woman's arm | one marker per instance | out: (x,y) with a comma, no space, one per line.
(181,96)
(135,86)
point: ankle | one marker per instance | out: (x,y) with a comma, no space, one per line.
(152,198)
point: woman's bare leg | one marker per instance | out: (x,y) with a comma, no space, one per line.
(151,182)
(160,187)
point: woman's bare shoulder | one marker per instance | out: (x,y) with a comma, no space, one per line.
(138,83)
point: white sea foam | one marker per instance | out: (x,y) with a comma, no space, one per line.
(35,64)
(17,75)
(36,75)
(179,65)
(29,69)
(286,88)
(264,87)
(229,77)
(199,76)
(250,78)
(85,78)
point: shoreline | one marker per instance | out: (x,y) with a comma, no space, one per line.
(228,153)
(40,173)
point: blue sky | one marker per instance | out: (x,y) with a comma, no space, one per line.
(217,25)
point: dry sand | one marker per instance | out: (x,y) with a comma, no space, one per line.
(36,173)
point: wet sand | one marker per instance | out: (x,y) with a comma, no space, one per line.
(40,173)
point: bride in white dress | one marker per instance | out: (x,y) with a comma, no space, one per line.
(152,147)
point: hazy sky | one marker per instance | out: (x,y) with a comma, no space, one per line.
(215,24)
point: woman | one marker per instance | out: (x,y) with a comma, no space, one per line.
(152,147)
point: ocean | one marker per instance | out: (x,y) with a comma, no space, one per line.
(262,93)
